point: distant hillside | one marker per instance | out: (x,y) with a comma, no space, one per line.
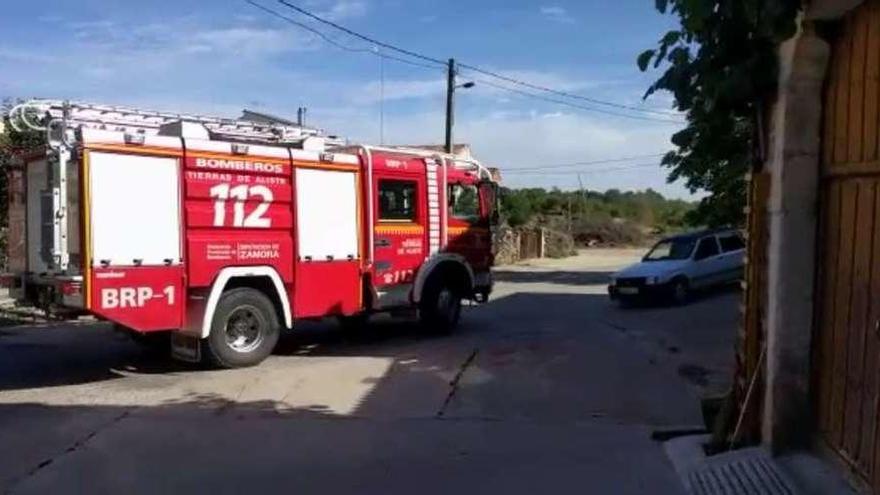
(610,217)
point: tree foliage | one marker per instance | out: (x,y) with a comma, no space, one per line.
(721,65)
(647,209)
(11,143)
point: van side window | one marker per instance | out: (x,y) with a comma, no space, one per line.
(397,200)
(707,248)
(731,242)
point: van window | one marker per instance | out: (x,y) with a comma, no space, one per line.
(707,248)
(397,200)
(731,242)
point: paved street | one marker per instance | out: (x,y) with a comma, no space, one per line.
(548,388)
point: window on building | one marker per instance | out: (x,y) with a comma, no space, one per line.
(397,200)
(731,242)
(463,202)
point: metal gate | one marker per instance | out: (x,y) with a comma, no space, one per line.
(530,244)
(847,345)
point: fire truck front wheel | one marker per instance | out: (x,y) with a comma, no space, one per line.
(440,306)
(244,330)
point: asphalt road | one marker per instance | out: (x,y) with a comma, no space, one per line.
(549,388)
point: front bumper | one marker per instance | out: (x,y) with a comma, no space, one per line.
(639,291)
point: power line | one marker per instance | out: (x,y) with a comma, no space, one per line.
(361,36)
(335,43)
(575,105)
(578,164)
(492,74)
(566,94)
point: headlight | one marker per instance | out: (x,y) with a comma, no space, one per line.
(652,280)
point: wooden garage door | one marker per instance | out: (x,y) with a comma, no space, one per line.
(847,348)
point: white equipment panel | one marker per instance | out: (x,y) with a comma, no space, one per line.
(38,190)
(326,207)
(135,209)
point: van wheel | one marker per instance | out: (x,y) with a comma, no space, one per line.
(680,291)
(440,307)
(244,331)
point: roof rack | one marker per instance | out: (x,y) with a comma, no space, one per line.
(74,115)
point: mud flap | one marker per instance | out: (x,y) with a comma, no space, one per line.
(186,347)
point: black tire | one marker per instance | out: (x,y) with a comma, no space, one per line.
(354,323)
(440,306)
(244,330)
(679,291)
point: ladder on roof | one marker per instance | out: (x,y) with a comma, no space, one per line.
(75,115)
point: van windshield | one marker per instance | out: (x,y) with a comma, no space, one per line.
(672,249)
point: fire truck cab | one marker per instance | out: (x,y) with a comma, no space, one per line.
(224,233)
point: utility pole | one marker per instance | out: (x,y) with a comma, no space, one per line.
(450,105)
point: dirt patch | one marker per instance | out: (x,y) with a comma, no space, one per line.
(695,374)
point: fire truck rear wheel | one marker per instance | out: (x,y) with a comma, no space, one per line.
(440,307)
(244,331)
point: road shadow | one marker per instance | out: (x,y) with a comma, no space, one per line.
(518,365)
(263,446)
(548,331)
(561,277)
(695,297)
(57,354)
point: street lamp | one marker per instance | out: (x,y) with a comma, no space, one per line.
(450,102)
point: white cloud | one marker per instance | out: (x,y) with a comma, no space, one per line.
(520,139)
(345,9)
(50,18)
(398,90)
(26,56)
(239,40)
(556,13)
(216,66)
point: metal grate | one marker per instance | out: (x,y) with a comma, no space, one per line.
(739,475)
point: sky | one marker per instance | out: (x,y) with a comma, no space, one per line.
(220,56)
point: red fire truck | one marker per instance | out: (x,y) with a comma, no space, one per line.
(224,233)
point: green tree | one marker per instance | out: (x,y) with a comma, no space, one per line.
(720,67)
(11,143)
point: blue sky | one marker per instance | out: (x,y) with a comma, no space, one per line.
(218,57)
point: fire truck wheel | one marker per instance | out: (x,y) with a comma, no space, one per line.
(244,331)
(440,307)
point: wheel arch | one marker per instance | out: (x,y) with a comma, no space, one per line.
(263,278)
(442,263)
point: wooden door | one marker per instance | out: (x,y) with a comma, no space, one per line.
(847,345)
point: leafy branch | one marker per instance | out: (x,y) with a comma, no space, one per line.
(720,67)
